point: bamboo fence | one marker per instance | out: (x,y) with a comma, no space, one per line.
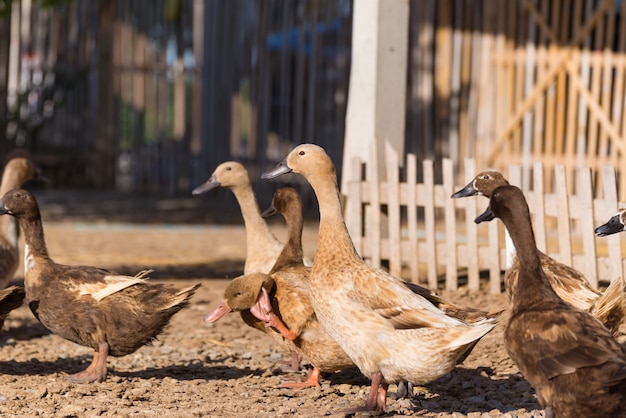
(152,95)
(518,81)
(416,231)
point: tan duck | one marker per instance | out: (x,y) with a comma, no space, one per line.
(567,282)
(113,314)
(17,171)
(279,304)
(262,246)
(575,365)
(391,333)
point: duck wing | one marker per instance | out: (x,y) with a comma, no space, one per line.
(559,341)
(390,298)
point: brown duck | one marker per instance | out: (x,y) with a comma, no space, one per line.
(113,314)
(10,298)
(574,363)
(567,282)
(279,303)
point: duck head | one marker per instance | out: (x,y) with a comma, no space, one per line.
(17,202)
(244,293)
(483,184)
(230,174)
(284,198)
(305,159)
(613,226)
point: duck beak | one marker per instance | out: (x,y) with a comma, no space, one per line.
(613,226)
(271,211)
(466,191)
(221,310)
(3,208)
(486,216)
(210,184)
(280,169)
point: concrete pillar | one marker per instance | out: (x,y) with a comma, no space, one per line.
(376,100)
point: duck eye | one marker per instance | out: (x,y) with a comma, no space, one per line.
(228,168)
(302,153)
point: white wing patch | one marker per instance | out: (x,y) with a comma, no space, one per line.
(111,285)
(29,260)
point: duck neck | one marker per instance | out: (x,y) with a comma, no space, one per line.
(34,236)
(333,233)
(292,252)
(532,285)
(256,227)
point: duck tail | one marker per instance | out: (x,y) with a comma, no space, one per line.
(181,298)
(610,307)
(474,332)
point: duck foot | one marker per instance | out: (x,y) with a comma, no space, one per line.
(97,370)
(376,400)
(312,381)
(405,390)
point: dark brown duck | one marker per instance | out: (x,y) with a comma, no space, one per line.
(10,298)
(570,284)
(113,314)
(574,363)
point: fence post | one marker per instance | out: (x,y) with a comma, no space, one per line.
(393,210)
(411,214)
(429,220)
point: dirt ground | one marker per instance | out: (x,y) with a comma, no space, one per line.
(224,369)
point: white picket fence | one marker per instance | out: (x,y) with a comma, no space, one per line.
(419,233)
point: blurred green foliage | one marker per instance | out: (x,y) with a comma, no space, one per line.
(5,5)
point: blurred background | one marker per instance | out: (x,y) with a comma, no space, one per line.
(147,97)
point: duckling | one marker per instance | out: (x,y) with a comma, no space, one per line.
(113,314)
(574,363)
(263,247)
(17,171)
(279,303)
(391,333)
(567,282)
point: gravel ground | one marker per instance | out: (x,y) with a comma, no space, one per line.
(224,369)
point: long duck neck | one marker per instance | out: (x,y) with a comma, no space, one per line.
(334,236)
(532,286)
(292,252)
(254,223)
(34,239)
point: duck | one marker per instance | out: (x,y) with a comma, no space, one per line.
(113,314)
(279,304)
(263,248)
(391,333)
(11,298)
(17,171)
(570,284)
(574,363)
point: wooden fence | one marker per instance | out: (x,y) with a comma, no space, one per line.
(419,233)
